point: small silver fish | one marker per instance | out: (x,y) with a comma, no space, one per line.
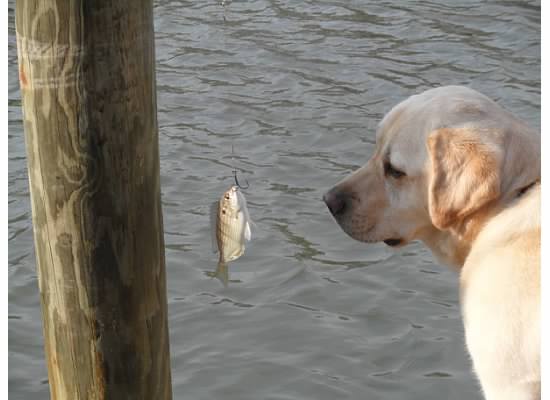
(230,229)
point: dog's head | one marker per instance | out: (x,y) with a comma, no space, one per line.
(425,175)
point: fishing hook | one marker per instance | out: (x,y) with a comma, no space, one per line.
(235,172)
(237,181)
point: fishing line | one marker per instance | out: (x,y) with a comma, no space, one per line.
(235,172)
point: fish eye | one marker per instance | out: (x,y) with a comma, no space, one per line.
(393,172)
(227,196)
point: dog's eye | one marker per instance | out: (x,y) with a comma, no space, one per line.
(391,171)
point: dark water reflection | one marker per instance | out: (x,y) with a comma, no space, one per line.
(297,87)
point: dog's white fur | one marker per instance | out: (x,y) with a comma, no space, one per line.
(472,194)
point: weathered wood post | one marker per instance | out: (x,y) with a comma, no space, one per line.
(87,74)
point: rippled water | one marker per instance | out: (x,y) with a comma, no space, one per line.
(297,87)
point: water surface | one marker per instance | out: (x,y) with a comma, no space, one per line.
(298,88)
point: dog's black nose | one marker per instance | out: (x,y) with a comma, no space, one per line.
(336,202)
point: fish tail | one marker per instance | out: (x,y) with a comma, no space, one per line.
(222,273)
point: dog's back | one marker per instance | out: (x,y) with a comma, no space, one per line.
(500,290)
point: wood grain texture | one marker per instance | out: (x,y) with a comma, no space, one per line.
(88,86)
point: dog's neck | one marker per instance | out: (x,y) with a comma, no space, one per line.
(447,246)
(452,246)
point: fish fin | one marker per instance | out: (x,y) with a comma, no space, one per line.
(247,233)
(222,273)
(214,225)
(246,216)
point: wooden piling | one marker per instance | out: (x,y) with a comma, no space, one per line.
(87,74)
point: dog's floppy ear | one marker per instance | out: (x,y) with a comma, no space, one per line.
(465,174)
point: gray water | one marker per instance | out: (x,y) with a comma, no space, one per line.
(297,87)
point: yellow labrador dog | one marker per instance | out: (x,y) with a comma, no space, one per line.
(454,169)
